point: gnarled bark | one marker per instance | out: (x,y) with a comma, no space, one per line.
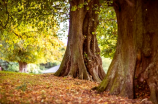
(136,56)
(82,57)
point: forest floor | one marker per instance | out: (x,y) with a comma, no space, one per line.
(20,88)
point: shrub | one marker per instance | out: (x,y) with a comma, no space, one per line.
(33,68)
(13,66)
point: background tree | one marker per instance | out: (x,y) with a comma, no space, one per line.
(40,17)
(28,45)
(135,60)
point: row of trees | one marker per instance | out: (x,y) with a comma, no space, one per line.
(135,59)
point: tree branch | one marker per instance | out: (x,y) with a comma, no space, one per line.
(8,16)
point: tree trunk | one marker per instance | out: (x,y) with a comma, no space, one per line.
(82,57)
(22,67)
(136,57)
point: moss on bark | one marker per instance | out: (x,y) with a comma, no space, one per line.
(136,54)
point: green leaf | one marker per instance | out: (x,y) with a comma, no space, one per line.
(101,1)
(80,6)
(74,8)
(87,8)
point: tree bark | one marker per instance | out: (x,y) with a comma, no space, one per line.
(136,57)
(82,57)
(22,67)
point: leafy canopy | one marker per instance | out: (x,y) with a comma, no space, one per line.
(47,14)
(28,30)
(26,44)
(107,31)
(13,12)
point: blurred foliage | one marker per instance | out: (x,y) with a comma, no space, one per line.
(28,30)
(30,45)
(13,66)
(107,31)
(13,12)
(42,67)
(33,68)
(106,63)
(50,64)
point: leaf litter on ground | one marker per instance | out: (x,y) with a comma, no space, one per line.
(20,88)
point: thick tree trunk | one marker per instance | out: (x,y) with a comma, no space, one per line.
(22,67)
(82,57)
(135,63)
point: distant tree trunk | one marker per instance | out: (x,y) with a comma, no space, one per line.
(135,63)
(22,67)
(82,57)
